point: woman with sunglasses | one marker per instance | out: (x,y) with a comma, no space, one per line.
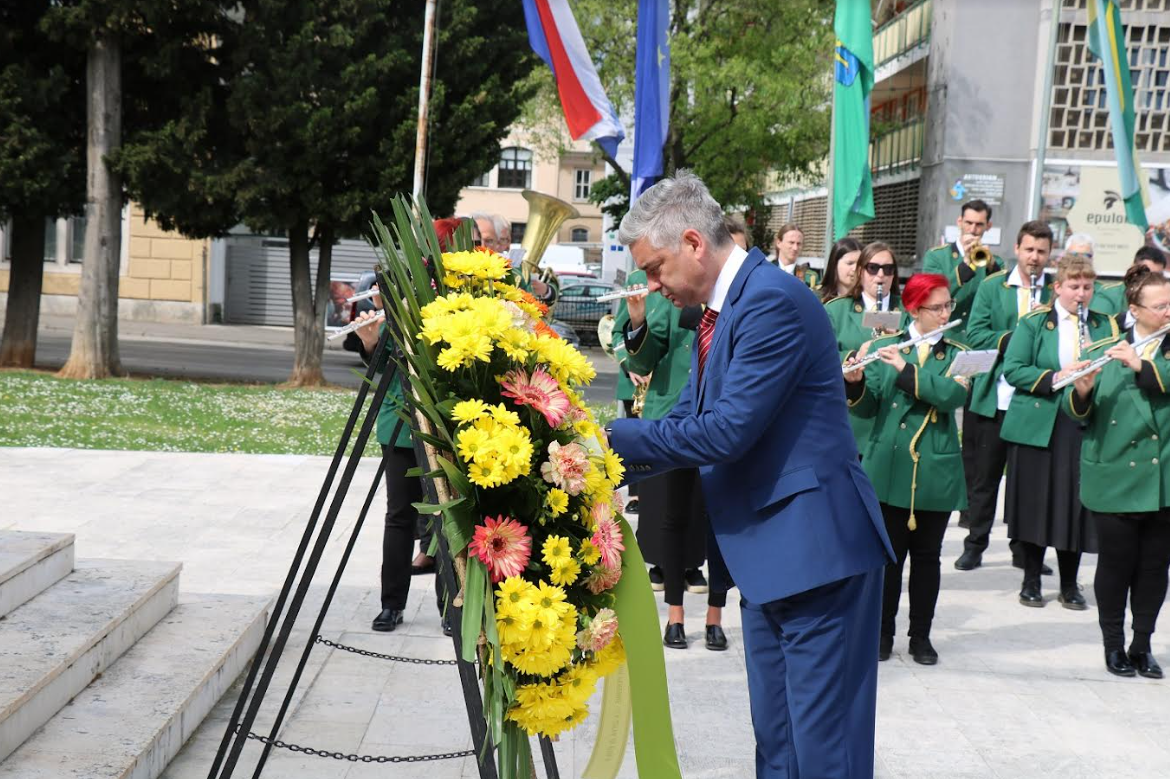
(840,269)
(1124,478)
(913,457)
(876,270)
(1042,503)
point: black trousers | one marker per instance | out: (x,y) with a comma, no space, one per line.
(1132,562)
(674,500)
(401,521)
(984,459)
(923,546)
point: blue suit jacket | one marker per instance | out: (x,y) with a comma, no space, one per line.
(768,428)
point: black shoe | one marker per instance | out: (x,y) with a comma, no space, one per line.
(428,566)
(716,639)
(969,560)
(657,580)
(631,506)
(696,581)
(1145,664)
(675,636)
(1018,562)
(922,652)
(387,620)
(446,625)
(885,648)
(1071,598)
(1030,595)
(1117,663)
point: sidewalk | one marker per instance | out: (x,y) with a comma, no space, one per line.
(218,334)
(1017,693)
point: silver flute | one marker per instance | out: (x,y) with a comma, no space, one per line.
(623,293)
(871,358)
(372,292)
(355,325)
(1105,359)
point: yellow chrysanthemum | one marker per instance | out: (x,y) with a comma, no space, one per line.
(450,359)
(589,553)
(557,501)
(565,572)
(556,550)
(476,264)
(614,470)
(503,415)
(472,443)
(514,343)
(609,659)
(469,410)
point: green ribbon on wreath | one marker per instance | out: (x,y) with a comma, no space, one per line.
(639,686)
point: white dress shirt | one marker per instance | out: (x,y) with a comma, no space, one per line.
(1003,390)
(912,330)
(868,303)
(1069,330)
(726,277)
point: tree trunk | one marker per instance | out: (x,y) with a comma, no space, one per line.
(19,346)
(309,301)
(94,354)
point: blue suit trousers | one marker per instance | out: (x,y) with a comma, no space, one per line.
(812,679)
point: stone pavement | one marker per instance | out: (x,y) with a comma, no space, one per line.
(1018,692)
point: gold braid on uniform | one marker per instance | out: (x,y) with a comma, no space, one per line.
(915,455)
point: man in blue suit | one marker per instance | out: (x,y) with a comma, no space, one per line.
(764,419)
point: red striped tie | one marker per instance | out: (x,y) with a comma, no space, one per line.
(706,333)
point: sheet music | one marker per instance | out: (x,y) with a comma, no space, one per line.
(973,363)
(886,320)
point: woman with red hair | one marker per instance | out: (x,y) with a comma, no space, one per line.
(912,455)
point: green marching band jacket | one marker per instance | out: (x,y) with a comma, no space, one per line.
(1029,364)
(964,281)
(391,402)
(625,386)
(913,456)
(664,352)
(1125,452)
(994,316)
(1109,297)
(845,314)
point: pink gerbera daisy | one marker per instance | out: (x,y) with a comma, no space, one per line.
(608,540)
(503,545)
(540,391)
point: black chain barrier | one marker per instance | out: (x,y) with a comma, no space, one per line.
(395,658)
(277,743)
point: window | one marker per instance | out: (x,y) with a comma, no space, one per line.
(50,240)
(482,181)
(518,229)
(515,169)
(579,234)
(77,228)
(581,181)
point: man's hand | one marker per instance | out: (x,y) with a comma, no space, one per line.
(892,356)
(636,306)
(966,240)
(369,332)
(1123,352)
(539,288)
(638,379)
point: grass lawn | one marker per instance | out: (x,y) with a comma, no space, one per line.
(175,416)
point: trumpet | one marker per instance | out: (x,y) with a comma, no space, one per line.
(355,325)
(1105,359)
(978,255)
(639,401)
(634,291)
(872,358)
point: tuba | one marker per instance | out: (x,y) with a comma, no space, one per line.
(978,255)
(546,214)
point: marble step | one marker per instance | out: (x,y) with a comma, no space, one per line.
(131,722)
(60,641)
(29,563)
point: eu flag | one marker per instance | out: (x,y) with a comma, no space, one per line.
(651,94)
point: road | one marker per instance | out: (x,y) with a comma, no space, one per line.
(185,359)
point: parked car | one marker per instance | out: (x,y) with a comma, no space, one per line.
(578,305)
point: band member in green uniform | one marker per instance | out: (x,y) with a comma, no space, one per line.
(912,457)
(1042,504)
(999,303)
(1124,478)
(1108,296)
(789,239)
(876,289)
(841,269)
(672,527)
(964,272)
(1149,257)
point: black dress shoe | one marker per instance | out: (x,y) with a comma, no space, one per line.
(716,639)
(446,625)
(1071,598)
(885,648)
(969,560)
(1146,665)
(922,652)
(1117,663)
(387,620)
(675,636)
(1030,595)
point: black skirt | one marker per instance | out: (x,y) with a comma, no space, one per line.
(672,502)
(1043,503)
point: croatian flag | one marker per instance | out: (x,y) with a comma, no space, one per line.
(555,38)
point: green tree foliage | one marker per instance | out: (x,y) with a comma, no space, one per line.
(314,126)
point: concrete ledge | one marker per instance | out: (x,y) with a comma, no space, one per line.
(130,723)
(56,644)
(30,563)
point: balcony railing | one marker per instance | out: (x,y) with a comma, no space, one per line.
(898,149)
(907,30)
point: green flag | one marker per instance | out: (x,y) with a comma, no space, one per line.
(1107,43)
(852,188)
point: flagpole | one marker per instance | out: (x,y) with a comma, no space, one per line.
(832,173)
(424,99)
(1045,110)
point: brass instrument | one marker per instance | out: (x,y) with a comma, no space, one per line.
(546,214)
(639,401)
(978,255)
